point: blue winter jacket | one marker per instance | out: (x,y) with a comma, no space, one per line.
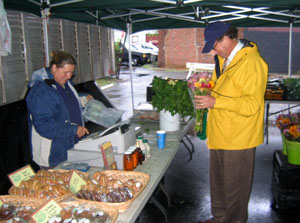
(52,133)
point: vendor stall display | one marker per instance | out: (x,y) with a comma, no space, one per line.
(140,186)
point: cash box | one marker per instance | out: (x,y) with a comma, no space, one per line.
(121,136)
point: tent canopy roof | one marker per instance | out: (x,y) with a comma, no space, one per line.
(166,14)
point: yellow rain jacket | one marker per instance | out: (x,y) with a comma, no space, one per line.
(237,119)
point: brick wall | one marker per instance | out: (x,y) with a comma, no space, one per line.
(178,46)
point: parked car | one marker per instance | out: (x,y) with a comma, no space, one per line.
(139,57)
(149,48)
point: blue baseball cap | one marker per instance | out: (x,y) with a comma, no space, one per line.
(212,32)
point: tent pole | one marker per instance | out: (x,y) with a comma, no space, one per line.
(290,50)
(45,13)
(129,31)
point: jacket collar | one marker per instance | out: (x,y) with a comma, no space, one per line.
(248,48)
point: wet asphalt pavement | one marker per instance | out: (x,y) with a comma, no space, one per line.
(187,181)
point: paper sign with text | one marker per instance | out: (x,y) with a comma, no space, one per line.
(108,156)
(48,210)
(20,175)
(76,182)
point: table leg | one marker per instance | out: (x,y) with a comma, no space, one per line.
(193,149)
(267,123)
(160,207)
(187,147)
(166,194)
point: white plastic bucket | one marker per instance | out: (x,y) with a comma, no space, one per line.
(168,122)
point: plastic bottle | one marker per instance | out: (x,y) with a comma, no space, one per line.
(142,145)
(145,141)
(141,155)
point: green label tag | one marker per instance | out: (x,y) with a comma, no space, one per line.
(48,210)
(1,203)
(20,175)
(76,182)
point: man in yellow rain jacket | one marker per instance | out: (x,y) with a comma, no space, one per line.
(235,120)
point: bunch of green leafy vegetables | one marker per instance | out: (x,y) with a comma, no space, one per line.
(171,95)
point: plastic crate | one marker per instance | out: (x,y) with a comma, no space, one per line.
(285,183)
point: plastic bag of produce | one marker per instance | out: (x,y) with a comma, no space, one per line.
(96,112)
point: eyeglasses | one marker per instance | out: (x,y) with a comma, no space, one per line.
(217,41)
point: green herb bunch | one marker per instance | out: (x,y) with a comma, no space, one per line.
(171,95)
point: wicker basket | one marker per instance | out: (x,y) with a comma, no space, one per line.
(86,175)
(22,201)
(112,212)
(58,198)
(37,203)
(122,176)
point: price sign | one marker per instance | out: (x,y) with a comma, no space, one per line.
(48,210)
(20,175)
(76,182)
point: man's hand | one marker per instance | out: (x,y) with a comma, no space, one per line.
(206,101)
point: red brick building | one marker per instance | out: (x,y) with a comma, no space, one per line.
(178,46)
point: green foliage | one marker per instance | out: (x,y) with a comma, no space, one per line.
(172,95)
(293,88)
(153,34)
(118,53)
(117,47)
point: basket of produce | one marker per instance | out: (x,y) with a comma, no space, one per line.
(114,188)
(19,209)
(85,210)
(46,184)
